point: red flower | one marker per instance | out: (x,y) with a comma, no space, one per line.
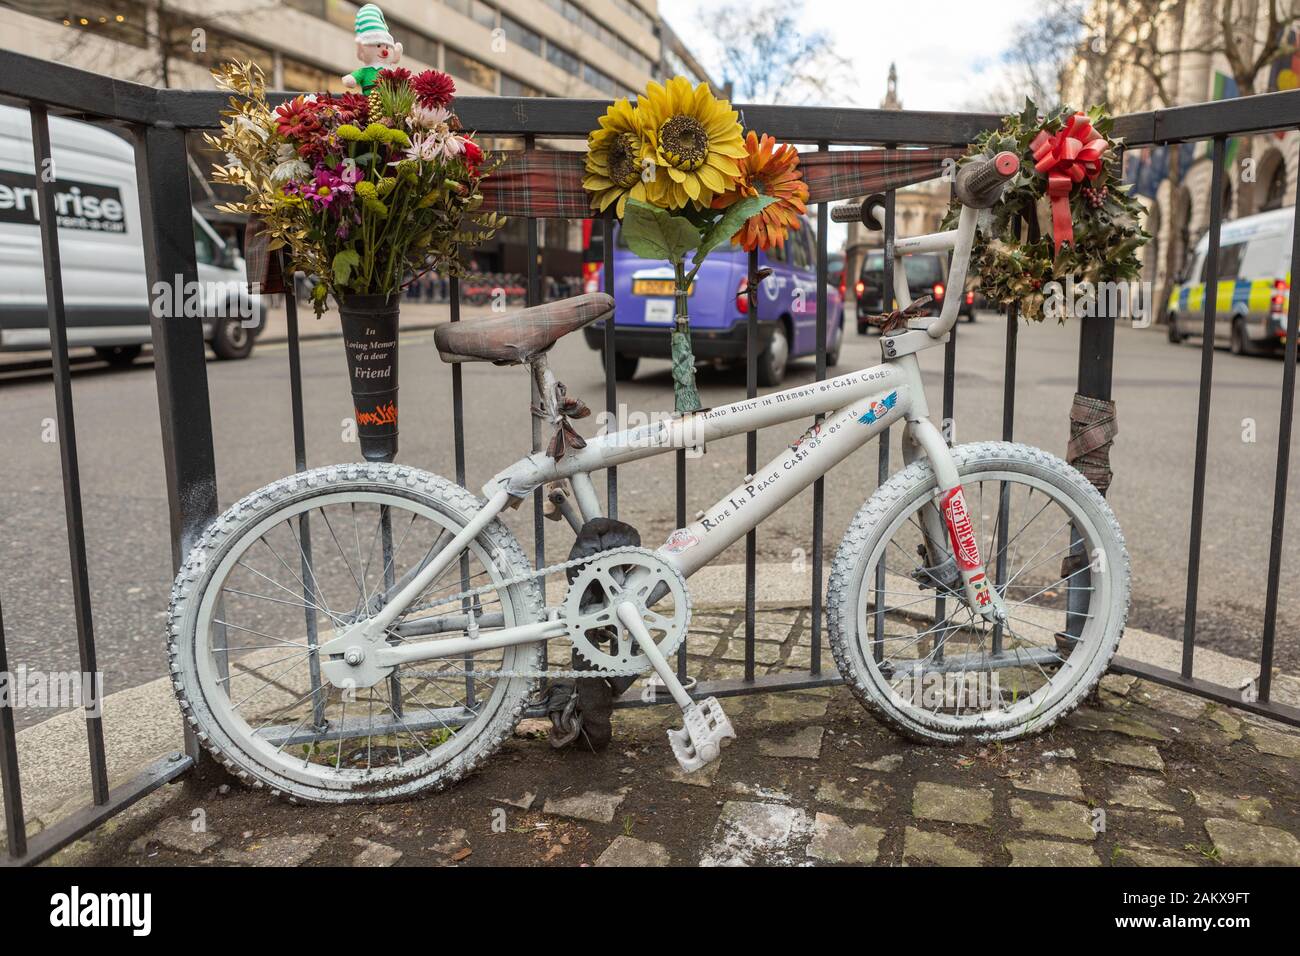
(298,119)
(434,88)
(473,155)
(394,74)
(351,108)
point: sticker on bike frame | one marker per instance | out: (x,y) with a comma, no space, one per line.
(877,410)
(961,530)
(980,585)
(680,540)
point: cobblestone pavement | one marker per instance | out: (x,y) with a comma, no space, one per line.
(1143,776)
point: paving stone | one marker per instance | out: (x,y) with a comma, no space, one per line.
(852,796)
(377,822)
(176,833)
(1272,742)
(801,658)
(1060,818)
(835,841)
(522,802)
(1057,779)
(375,854)
(1142,756)
(292,850)
(1050,853)
(1139,793)
(726,670)
(1226,721)
(1124,821)
(1147,856)
(1118,684)
(805,743)
(706,776)
(765,654)
(939,801)
(755,833)
(935,849)
(629,851)
(788,707)
(1064,753)
(886,764)
(1250,809)
(1113,722)
(1170,701)
(592,805)
(1248,844)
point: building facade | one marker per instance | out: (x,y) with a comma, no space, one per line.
(1176,60)
(599,49)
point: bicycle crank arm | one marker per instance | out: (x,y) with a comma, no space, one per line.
(706,729)
(353,659)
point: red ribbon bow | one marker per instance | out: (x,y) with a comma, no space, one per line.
(1065,158)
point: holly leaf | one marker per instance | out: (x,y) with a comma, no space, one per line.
(344,262)
(654,233)
(732,221)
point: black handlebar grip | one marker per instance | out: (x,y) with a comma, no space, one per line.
(979,182)
(849,212)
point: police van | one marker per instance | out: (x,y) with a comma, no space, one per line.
(1252,285)
(106,295)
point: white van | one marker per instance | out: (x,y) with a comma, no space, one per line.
(101,249)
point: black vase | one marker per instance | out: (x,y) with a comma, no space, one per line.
(370,340)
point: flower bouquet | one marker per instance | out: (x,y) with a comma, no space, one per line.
(1067,218)
(365,192)
(683,177)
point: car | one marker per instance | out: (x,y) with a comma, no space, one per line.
(1253,285)
(787,308)
(927,274)
(107,299)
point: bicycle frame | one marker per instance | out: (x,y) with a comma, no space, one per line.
(857,407)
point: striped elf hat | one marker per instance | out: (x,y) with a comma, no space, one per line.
(371,27)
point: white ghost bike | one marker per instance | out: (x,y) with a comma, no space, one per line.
(371,631)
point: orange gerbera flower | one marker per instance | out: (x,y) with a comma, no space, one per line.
(768,170)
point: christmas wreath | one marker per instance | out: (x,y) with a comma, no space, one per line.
(1067,212)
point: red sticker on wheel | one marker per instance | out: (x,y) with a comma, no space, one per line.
(962,531)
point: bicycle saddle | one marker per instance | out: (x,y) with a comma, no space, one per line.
(517,338)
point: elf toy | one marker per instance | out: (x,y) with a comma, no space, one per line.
(375,48)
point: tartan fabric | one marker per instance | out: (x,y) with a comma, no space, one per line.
(547,184)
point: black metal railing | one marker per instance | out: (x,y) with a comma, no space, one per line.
(159,121)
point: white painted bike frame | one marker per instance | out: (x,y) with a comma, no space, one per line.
(858,406)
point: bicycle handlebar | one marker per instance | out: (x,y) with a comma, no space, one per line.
(979,183)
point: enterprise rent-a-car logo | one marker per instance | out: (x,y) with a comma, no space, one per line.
(78,909)
(84,206)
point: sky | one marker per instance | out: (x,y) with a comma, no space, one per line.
(948,51)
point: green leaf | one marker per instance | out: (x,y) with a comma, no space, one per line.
(731,223)
(654,233)
(344,262)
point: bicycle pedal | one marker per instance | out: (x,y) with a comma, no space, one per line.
(706,731)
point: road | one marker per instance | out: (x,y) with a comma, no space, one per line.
(124,490)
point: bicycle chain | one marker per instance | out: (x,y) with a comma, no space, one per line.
(521,579)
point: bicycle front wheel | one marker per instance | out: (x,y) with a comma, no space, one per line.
(912,649)
(309,555)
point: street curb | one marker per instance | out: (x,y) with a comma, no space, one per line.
(142,723)
(321,336)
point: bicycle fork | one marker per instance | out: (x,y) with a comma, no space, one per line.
(951,544)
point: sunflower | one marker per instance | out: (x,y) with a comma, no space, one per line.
(695,140)
(615,153)
(767,170)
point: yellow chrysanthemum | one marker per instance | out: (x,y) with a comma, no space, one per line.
(695,140)
(615,153)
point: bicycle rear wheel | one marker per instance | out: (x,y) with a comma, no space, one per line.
(315,552)
(915,653)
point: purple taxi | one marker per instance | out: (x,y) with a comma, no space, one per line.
(787,308)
